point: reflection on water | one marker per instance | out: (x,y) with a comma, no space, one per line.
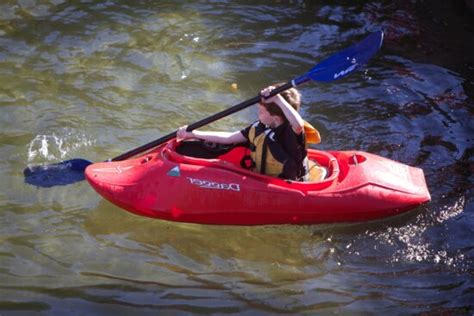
(80,79)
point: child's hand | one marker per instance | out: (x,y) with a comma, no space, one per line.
(183,134)
(266,92)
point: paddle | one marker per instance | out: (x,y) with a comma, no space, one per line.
(330,69)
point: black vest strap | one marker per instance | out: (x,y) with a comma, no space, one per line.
(264,156)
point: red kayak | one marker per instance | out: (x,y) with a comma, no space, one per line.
(196,183)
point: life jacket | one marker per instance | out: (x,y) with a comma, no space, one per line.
(270,150)
(312,135)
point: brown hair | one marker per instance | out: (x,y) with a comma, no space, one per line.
(292,96)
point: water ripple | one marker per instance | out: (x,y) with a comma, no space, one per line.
(93,79)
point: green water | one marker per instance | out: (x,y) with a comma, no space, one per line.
(95,79)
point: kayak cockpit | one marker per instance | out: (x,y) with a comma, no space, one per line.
(324,167)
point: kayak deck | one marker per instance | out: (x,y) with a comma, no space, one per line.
(213,188)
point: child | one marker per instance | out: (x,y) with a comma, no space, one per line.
(276,141)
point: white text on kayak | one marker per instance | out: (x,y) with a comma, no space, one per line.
(206,184)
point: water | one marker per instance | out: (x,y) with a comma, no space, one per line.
(95,79)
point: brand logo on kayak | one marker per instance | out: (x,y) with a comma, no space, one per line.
(205,184)
(174,172)
(346,71)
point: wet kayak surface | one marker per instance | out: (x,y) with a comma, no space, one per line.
(94,80)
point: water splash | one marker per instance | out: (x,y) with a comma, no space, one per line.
(53,147)
(44,148)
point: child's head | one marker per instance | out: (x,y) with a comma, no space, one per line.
(292,96)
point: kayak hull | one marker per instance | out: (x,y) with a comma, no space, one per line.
(167,185)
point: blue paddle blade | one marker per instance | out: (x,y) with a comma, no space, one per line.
(62,173)
(344,62)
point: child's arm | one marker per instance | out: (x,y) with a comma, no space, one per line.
(211,136)
(293,117)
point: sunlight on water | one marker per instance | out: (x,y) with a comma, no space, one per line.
(412,243)
(451,211)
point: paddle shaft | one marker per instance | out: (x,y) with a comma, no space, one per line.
(332,68)
(206,121)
